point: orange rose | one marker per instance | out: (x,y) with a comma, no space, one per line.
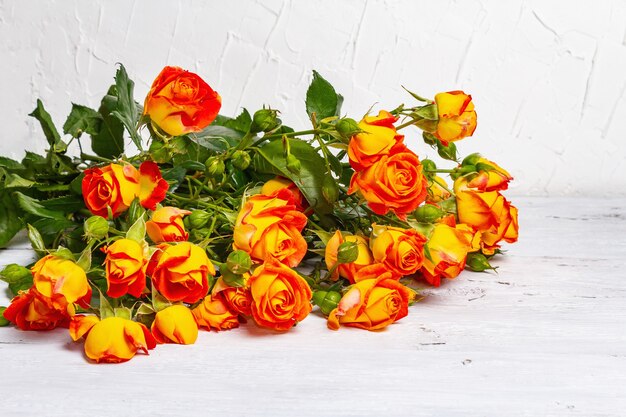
(374,302)
(400,250)
(80,325)
(213,313)
(280,297)
(347,270)
(175,324)
(61,282)
(487,212)
(125,268)
(377,139)
(268,226)
(29,310)
(116,186)
(393,183)
(457,117)
(490,177)
(448,247)
(181,102)
(238,299)
(180,272)
(166,225)
(276,185)
(114,339)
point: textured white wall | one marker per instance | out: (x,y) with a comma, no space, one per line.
(548,77)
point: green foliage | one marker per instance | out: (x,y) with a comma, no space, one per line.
(270,159)
(108,141)
(82,119)
(322,99)
(49,130)
(18,277)
(126,110)
(9,218)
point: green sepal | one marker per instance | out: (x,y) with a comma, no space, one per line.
(137,231)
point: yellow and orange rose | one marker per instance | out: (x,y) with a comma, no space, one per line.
(280,296)
(373,303)
(175,324)
(214,313)
(61,282)
(125,266)
(181,102)
(270,227)
(166,225)
(181,272)
(457,117)
(29,310)
(378,138)
(238,299)
(275,187)
(400,250)
(395,182)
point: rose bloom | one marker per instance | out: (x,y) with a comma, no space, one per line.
(457,117)
(268,226)
(175,324)
(377,139)
(280,296)
(166,225)
(180,272)
(238,299)
(29,310)
(275,185)
(490,177)
(448,247)
(125,266)
(181,102)
(400,250)
(113,339)
(116,186)
(436,190)
(508,229)
(61,282)
(393,183)
(374,302)
(347,270)
(214,313)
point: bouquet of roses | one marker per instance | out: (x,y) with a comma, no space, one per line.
(215,221)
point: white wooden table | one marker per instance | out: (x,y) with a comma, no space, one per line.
(546,336)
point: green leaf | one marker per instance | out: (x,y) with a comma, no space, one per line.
(158,301)
(18,277)
(50,227)
(126,110)
(270,159)
(36,241)
(218,138)
(84,261)
(322,99)
(9,221)
(174,177)
(3,321)
(137,231)
(82,119)
(32,206)
(11,164)
(241,123)
(66,204)
(106,310)
(11,180)
(108,141)
(49,130)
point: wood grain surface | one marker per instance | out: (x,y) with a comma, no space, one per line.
(546,336)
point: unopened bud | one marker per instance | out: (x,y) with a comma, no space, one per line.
(478,262)
(326,300)
(293,164)
(347,252)
(241,160)
(96,227)
(330,189)
(428,213)
(238,262)
(347,127)
(429,165)
(214,166)
(471,159)
(264,120)
(198,219)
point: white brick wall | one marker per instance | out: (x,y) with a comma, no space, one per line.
(548,77)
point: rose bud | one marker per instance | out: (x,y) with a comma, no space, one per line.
(330,189)
(61,282)
(238,262)
(347,127)
(175,324)
(180,272)
(264,120)
(125,266)
(166,225)
(115,340)
(348,269)
(428,213)
(215,166)
(213,313)
(241,159)
(96,227)
(31,311)
(293,164)
(326,300)
(181,102)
